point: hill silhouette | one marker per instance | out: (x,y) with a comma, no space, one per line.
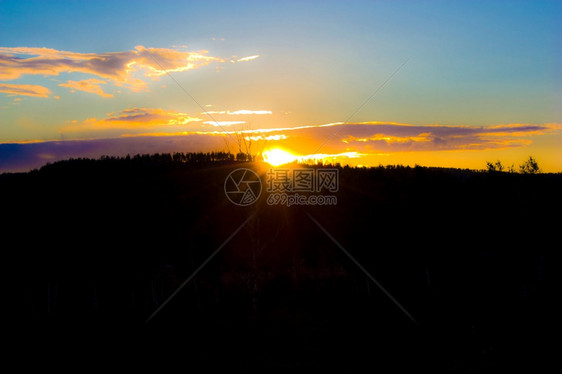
(93,247)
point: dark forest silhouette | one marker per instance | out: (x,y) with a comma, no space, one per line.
(92,247)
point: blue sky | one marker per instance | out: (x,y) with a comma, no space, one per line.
(471,63)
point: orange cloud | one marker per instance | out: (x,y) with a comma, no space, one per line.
(396,137)
(134,118)
(405,142)
(120,68)
(333,138)
(390,137)
(87,85)
(25,90)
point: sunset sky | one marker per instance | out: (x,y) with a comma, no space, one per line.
(434,83)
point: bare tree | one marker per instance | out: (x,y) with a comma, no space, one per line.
(494,166)
(530,166)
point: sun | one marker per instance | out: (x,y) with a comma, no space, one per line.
(277,156)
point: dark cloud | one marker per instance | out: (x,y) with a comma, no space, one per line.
(394,137)
(27,156)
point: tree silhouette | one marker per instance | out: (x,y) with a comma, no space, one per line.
(530,166)
(105,242)
(494,167)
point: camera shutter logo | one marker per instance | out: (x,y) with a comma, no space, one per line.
(242,187)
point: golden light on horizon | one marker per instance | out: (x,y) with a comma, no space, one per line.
(278,156)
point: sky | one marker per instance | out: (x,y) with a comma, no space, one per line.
(432,83)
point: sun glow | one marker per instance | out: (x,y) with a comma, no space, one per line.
(277,156)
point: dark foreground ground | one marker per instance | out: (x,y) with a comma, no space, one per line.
(92,248)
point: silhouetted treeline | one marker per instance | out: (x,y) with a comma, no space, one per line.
(91,248)
(153,160)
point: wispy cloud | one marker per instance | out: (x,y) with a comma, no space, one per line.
(120,68)
(25,90)
(238,112)
(365,137)
(224,123)
(248,58)
(266,137)
(87,85)
(133,118)
(244,112)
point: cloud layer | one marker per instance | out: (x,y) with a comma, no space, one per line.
(122,69)
(87,85)
(365,137)
(377,137)
(151,118)
(133,118)
(359,139)
(25,90)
